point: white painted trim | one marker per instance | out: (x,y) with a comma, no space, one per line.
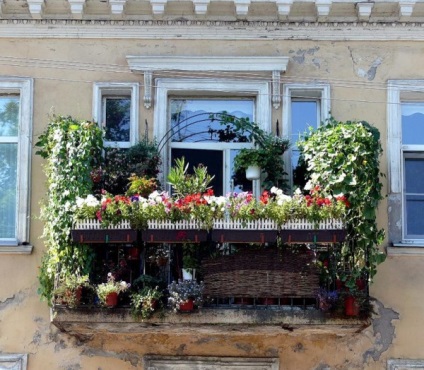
(212,30)
(23,87)
(19,249)
(404,364)
(209,363)
(16,361)
(194,63)
(101,89)
(394,140)
(166,86)
(319,90)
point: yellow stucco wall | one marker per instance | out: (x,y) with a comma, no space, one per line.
(356,93)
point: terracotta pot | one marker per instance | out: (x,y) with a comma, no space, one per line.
(351,306)
(133,253)
(361,284)
(111,300)
(187,306)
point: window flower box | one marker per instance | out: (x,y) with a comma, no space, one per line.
(304,231)
(166,231)
(91,231)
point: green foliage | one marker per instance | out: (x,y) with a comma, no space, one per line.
(70,148)
(343,157)
(267,153)
(145,302)
(119,165)
(184,183)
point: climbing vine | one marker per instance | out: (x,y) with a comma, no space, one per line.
(343,158)
(70,148)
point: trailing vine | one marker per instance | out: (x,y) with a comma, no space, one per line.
(70,148)
(343,157)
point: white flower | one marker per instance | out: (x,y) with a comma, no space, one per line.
(308,185)
(298,191)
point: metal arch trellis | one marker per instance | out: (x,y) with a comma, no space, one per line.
(169,134)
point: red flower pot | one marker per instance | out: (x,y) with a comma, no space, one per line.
(112,300)
(351,306)
(187,306)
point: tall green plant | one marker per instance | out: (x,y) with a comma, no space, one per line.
(344,157)
(70,148)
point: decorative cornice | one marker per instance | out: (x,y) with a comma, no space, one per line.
(211,30)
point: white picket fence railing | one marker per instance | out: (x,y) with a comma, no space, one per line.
(92,224)
(296,224)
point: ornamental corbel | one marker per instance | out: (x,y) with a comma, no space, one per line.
(276,92)
(147,99)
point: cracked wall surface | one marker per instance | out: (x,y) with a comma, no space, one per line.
(357,73)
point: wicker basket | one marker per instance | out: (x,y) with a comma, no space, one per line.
(270,273)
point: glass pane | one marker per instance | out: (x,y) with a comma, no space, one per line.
(240,183)
(212,159)
(414,175)
(412,123)
(190,119)
(9,115)
(304,114)
(118,119)
(414,215)
(8,190)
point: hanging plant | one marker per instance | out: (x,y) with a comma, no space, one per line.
(70,148)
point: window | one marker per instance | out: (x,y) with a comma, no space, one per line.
(223,363)
(304,106)
(15,134)
(115,107)
(16,361)
(406,161)
(182,122)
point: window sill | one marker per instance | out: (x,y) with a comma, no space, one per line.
(91,321)
(18,249)
(402,249)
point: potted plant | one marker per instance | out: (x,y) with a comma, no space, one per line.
(327,299)
(145,302)
(108,292)
(69,290)
(266,157)
(185,295)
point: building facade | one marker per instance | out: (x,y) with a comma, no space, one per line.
(277,62)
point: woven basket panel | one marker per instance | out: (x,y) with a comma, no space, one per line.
(270,273)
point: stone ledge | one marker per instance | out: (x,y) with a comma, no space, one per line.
(92,321)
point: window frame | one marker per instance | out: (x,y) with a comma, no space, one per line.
(168,88)
(103,90)
(24,88)
(302,92)
(397,93)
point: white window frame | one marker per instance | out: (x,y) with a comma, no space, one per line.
(395,155)
(311,91)
(24,88)
(102,90)
(180,87)
(16,361)
(209,363)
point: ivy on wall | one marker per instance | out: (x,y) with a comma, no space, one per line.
(69,147)
(344,157)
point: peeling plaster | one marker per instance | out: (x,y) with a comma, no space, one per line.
(299,58)
(132,358)
(384,331)
(322,367)
(244,347)
(368,73)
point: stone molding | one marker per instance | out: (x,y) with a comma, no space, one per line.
(405,364)
(212,30)
(16,361)
(209,363)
